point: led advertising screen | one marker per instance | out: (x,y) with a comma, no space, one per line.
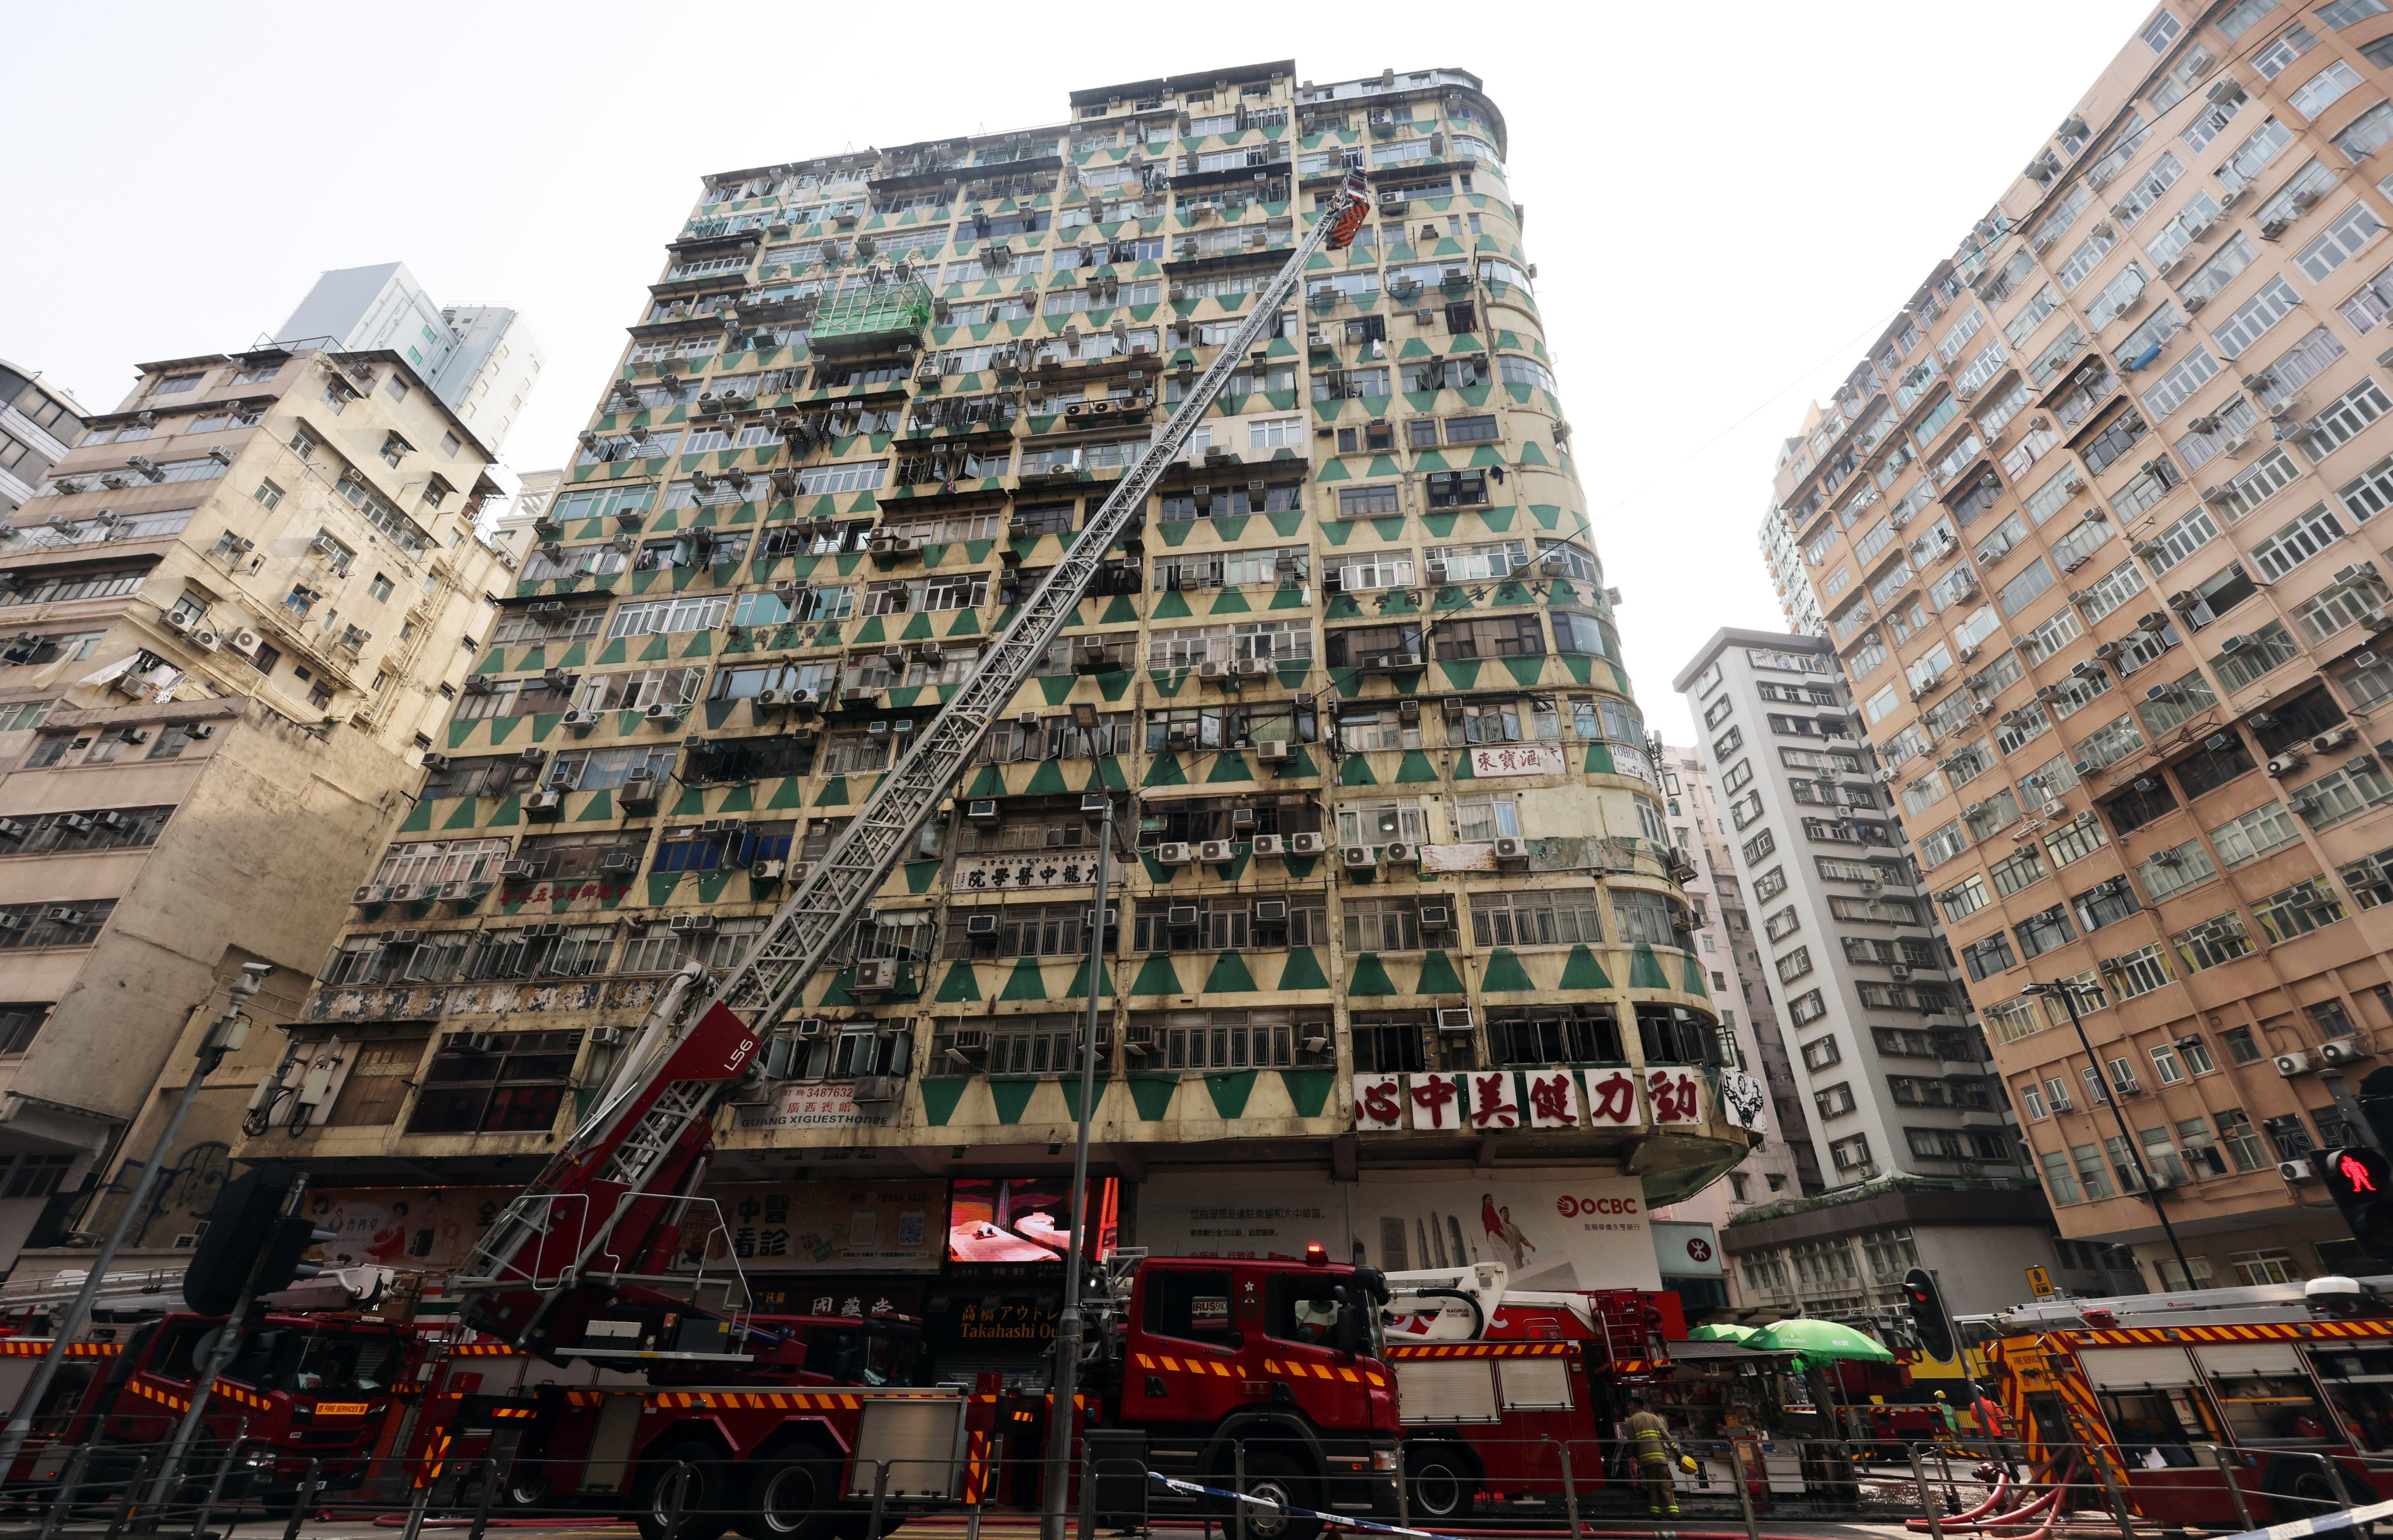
(1027,1219)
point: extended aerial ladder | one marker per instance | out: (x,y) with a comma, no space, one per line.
(604,1211)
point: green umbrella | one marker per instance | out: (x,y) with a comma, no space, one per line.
(1722,1331)
(1818,1342)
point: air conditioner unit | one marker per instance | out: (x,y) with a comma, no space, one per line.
(1510,848)
(663,712)
(2285,765)
(245,640)
(691,922)
(518,870)
(1272,751)
(2296,1170)
(1400,853)
(877,975)
(2341,1052)
(1216,850)
(1454,1018)
(2333,738)
(1174,853)
(1360,858)
(550,801)
(2291,1064)
(1306,844)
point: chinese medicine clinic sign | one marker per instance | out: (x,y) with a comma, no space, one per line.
(1467,1101)
(1033,870)
(1560,1229)
(819,1227)
(1519,759)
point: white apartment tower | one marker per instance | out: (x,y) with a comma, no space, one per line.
(481,359)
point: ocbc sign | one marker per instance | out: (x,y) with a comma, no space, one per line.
(1570,1207)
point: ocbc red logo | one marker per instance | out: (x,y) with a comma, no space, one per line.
(1570,1207)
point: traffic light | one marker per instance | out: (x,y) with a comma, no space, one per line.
(245,1229)
(1929,1321)
(2376,1105)
(2360,1182)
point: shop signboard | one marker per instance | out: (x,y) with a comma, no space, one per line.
(821,1226)
(1554,1229)
(412,1229)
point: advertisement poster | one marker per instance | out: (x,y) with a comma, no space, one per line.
(820,1226)
(1027,1219)
(1557,1230)
(414,1228)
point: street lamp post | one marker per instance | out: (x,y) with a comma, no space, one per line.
(1064,1386)
(2067,993)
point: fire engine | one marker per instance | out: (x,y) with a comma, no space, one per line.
(2280,1389)
(1495,1381)
(302,1387)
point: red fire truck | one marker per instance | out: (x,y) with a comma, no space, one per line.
(1496,1382)
(2284,1389)
(1209,1367)
(303,1387)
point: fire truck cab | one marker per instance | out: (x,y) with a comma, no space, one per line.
(2285,1390)
(302,1387)
(1207,1362)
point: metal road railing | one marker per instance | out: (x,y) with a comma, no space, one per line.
(1263,1487)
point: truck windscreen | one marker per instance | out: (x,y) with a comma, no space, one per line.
(316,1363)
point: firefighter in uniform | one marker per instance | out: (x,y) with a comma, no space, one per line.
(1649,1440)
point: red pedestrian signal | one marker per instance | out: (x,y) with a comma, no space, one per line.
(2360,1182)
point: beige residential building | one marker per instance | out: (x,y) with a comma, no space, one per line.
(2092,526)
(231,619)
(1399,960)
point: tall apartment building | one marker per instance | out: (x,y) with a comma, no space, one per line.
(1906,1119)
(1395,886)
(1784,556)
(481,359)
(1781,1163)
(38,424)
(1787,1163)
(235,613)
(2091,522)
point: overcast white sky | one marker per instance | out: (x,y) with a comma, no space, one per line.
(1724,201)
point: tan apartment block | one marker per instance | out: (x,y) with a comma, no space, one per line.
(229,619)
(2093,529)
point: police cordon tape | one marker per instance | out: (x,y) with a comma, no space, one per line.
(1339,1520)
(2324,1523)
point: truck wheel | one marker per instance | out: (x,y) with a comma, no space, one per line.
(795,1498)
(1443,1485)
(1277,1479)
(706,1496)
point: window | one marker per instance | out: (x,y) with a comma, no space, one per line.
(516,1087)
